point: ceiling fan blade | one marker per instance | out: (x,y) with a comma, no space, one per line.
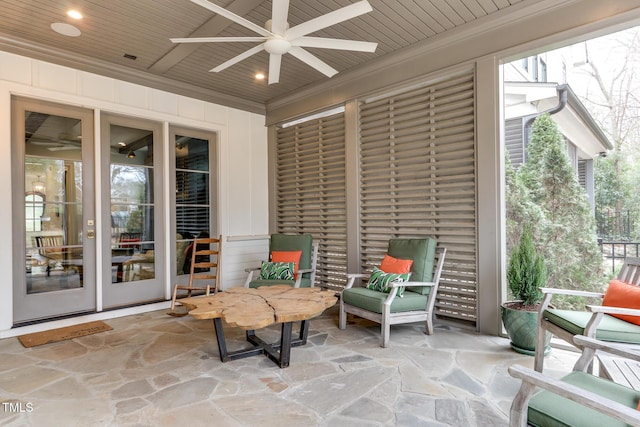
(232,16)
(274,68)
(331,18)
(313,61)
(238,58)
(340,44)
(279,13)
(216,39)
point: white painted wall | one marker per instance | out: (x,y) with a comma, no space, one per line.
(242,163)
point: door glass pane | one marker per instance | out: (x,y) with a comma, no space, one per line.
(132,209)
(192,198)
(53,203)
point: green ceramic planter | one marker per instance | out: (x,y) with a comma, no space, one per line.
(522,327)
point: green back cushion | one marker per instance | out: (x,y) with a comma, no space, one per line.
(548,409)
(609,329)
(422,252)
(294,242)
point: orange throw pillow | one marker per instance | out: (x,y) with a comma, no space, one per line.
(390,264)
(288,256)
(621,294)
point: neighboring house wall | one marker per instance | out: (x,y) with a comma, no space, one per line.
(242,156)
(514,141)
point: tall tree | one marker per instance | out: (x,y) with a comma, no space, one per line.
(611,95)
(566,235)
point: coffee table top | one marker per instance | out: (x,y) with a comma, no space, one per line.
(255,308)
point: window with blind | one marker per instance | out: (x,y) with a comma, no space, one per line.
(417,179)
(310,189)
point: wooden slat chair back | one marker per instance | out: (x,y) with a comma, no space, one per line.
(594,322)
(51,246)
(204,272)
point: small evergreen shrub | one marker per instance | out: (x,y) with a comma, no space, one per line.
(527,271)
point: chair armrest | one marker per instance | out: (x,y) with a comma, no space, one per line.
(532,379)
(351,277)
(557,291)
(411,284)
(613,310)
(305,270)
(608,347)
(250,269)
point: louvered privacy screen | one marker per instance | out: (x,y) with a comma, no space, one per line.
(311,190)
(417,178)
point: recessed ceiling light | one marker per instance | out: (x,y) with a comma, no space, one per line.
(74,14)
(260,76)
(65,29)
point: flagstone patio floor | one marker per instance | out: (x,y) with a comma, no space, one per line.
(156,370)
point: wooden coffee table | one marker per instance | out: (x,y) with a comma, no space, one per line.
(256,308)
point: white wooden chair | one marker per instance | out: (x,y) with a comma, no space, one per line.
(595,321)
(307,266)
(388,309)
(577,399)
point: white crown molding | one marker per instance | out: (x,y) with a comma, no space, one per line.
(56,56)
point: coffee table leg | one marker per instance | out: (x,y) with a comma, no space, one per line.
(279,353)
(222,345)
(285,345)
(304,333)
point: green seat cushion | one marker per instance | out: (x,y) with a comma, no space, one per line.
(610,328)
(370,300)
(294,242)
(422,252)
(548,409)
(304,283)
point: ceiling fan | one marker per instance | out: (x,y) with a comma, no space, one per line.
(277,38)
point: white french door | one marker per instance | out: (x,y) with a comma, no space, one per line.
(132,217)
(53,210)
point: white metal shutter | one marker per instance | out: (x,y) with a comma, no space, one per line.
(311,190)
(417,172)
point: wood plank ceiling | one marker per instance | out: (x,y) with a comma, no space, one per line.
(142,28)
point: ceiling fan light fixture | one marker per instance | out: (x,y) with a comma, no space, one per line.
(277,45)
(131,155)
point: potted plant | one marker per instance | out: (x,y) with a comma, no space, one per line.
(526,274)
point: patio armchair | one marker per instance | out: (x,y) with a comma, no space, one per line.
(614,320)
(297,251)
(577,399)
(403,302)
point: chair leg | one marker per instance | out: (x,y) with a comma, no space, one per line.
(342,324)
(428,326)
(173,298)
(385,327)
(539,356)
